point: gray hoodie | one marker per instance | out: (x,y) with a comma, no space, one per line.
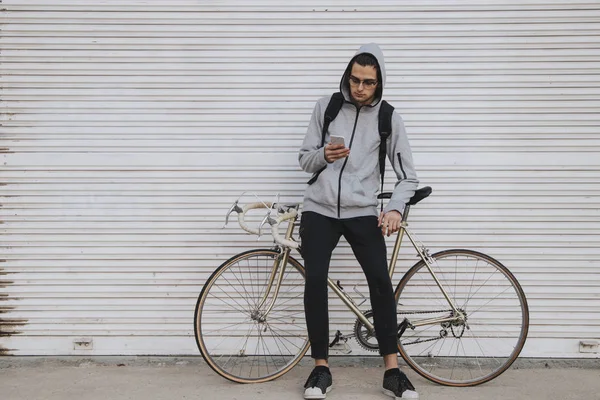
(348,188)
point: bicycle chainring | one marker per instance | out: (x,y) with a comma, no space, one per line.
(365,339)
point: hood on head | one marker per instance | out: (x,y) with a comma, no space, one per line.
(374,50)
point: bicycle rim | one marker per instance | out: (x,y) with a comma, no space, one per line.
(462,353)
(234,336)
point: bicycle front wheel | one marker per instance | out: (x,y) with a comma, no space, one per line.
(238,336)
(476,348)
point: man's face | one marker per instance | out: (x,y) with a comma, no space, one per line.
(363,83)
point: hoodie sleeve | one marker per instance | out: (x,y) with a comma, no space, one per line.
(312,155)
(400,155)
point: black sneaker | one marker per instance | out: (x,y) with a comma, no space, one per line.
(397,385)
(318,383)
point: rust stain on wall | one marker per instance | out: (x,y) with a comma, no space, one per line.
(8,326)
(4,284)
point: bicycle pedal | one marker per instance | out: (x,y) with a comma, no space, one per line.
(340,349)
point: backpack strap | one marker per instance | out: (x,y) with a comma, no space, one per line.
(386,112)
(333,109)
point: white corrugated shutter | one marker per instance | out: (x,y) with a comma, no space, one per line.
(128,128)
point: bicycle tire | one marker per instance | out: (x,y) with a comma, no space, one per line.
(219,324)
(414,345)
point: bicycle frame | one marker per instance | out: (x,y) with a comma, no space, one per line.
(421,251)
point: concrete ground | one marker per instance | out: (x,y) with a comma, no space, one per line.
(182,379)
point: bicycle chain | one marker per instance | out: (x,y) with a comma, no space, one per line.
(422,341)
(423,312)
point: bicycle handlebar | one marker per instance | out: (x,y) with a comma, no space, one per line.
(248,207)
(290,214)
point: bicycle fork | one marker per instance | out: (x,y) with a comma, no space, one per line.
(280,261)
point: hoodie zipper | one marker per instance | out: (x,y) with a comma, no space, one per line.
(339,207)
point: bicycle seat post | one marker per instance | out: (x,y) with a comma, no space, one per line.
(405,213)
(396,251)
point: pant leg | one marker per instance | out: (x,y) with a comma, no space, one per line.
(369,247)
(319,235)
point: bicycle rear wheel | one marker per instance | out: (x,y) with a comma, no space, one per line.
(235,336)
(470,352)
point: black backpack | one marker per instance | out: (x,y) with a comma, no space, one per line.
(386,112)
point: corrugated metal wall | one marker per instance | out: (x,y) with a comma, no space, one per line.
(128,128)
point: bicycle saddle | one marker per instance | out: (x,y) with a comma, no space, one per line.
(420,194)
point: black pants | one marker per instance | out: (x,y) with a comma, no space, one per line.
(320,235)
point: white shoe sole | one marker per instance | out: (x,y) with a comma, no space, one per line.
(316,394)
(409,394)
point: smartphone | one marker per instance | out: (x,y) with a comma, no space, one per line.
(338,140)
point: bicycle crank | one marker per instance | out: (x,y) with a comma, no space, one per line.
(365,338)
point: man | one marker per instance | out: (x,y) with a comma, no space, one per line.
(342,200)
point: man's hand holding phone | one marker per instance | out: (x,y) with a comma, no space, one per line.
(336,149)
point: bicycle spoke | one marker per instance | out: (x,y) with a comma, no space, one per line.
(465,354)
(277,343)
(454,358)
(282,342)
(443,281)
(206,333)
(243,283)
(241,311)
(455,277)
(472,280)
(293,298)
(233,287)
(254,296)
(496,336)
(243,347)
(287,323)
(481,286)
(227,294)
(492,299)
(289,314)
(264,352)
(284,338)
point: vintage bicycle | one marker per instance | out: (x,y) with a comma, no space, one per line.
(463,316)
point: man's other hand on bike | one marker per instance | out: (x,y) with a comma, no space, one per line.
(334,152)
(389,222)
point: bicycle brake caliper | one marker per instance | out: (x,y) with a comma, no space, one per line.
(425,252)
